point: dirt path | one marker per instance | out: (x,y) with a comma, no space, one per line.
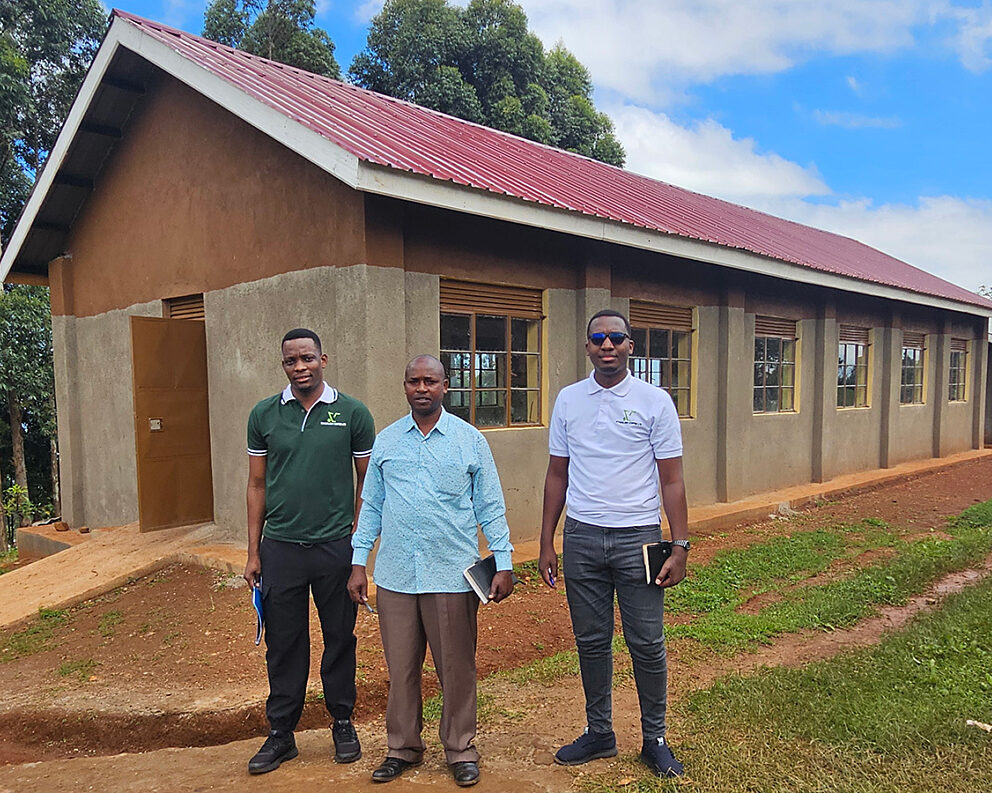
(168,661)
(517,735)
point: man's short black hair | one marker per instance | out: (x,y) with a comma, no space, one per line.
(609,312)
(302,333)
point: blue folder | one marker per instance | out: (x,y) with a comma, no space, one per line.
(256,601)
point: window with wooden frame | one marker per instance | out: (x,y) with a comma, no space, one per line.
(775,342)
(186,307)
(491,349)
(852,367)
(913,357)
(957,391)
(663,350)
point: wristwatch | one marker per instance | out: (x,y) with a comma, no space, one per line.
(682,544)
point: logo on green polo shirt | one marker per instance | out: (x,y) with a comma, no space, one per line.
(332,420)
(628,418)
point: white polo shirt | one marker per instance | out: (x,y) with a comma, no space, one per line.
(613,437)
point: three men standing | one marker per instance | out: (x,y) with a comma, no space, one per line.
(613,437)
(431,484)
(302,444)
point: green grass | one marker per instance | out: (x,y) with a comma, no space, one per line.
(35,638)
(839,603)
(733,576)
(886,719)
(80,669)
(7,558)
(546,670)
(109,623)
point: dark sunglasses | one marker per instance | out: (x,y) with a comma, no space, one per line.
(617,338)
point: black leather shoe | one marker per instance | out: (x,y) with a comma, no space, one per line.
(278,747)
(391,768)
(465,774)
(347,749)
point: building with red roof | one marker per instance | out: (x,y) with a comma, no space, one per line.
(201,201)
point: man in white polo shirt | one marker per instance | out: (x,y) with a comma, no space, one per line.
(613,439)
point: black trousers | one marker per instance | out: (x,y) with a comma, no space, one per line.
(290,572)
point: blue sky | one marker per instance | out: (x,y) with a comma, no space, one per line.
(870,118)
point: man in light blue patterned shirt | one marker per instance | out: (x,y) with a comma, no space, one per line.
(431,484)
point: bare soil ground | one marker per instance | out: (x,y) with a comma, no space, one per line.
(168,660)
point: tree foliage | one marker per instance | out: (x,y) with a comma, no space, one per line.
(27,381)
(280,30)
(45,48)
(482,64)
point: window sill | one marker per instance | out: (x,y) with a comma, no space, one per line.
(513,427)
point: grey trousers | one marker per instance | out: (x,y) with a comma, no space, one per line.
(447,622)
(599,562)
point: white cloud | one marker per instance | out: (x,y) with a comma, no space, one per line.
(853,84)
(973,40)
(707,158)
(838,118)
(367,9)
(948,236)
(642,49)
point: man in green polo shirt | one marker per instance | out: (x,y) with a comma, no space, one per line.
(302,507)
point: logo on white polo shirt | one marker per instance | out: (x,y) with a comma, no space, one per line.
(628,418)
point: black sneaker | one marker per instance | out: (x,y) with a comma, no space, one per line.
(659,758)
(347,748)
(278,747)
(586,747)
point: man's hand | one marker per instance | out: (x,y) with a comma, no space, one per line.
(358,584)
(253,571)
(673,570)
(502,586)
(548,563)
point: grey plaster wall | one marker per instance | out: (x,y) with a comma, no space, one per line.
(776,451)
(371,321)
(95,409)
(851,436)
(244,325)
(700,439)
(911,429)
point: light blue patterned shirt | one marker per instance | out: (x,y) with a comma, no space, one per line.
(425,498)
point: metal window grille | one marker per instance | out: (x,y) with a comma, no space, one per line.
(663,350)
(775,342)
(491,349)
(958,371)
(852,368)
(913,357)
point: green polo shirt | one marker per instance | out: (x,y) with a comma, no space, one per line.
(309,490)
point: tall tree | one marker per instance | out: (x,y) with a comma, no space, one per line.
(483,64)
(27,384)
(45,48)
(280,30)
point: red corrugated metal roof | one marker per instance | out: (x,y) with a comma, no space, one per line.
(396,134)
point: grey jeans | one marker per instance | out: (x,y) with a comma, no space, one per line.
(598,562)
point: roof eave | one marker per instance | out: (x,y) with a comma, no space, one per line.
(414,187)
(321,152)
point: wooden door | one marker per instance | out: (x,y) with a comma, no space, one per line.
(171,422)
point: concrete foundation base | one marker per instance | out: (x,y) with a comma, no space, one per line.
(37,542)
